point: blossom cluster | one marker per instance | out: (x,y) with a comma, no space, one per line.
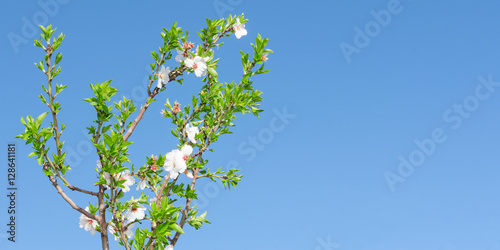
(136,212)
(176,161)
(128,231)
(197,63)
(125,175)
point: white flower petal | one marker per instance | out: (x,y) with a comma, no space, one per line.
(186,150)
(192,132)
(129,232)
(239,29)
(135,213)
(180,56)
(189,62)
(87,223)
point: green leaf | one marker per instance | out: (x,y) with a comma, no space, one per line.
(60,88)
(58,58)
(42,98)
(39,119)
(212,72)
(47,171)
(162,229)
(39,66)
(38,43)
(177,228)
(155,56)
(44,30)
(40,160)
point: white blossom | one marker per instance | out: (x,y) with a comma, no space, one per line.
(129,232)
(175,161)
(239,29)
(192,131)
(142,185)
(198,64)
(135,213)
(169,247)
(181,56)
(107,177)
(163,77)
(129,180)
(170,164)
(186,150)
(114,231)
(87,223)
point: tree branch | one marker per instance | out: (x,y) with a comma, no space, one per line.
(186,209)
(173,75)
(102,217)
(69,200)
(73,188)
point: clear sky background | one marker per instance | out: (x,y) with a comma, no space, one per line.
(404,89)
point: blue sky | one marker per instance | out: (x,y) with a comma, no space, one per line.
(419,83)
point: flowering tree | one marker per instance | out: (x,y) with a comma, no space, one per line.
(166,206)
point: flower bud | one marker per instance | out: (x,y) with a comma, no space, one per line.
(264,58)
(177,108)
(188,174)
(154,168)
(188,45)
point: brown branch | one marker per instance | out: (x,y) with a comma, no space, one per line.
(205,47)
(173,75)
(123,237)
(73,188)
(163,185)
(57,134)
(150,242)
(69,200)
(102,218)
(186,209)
